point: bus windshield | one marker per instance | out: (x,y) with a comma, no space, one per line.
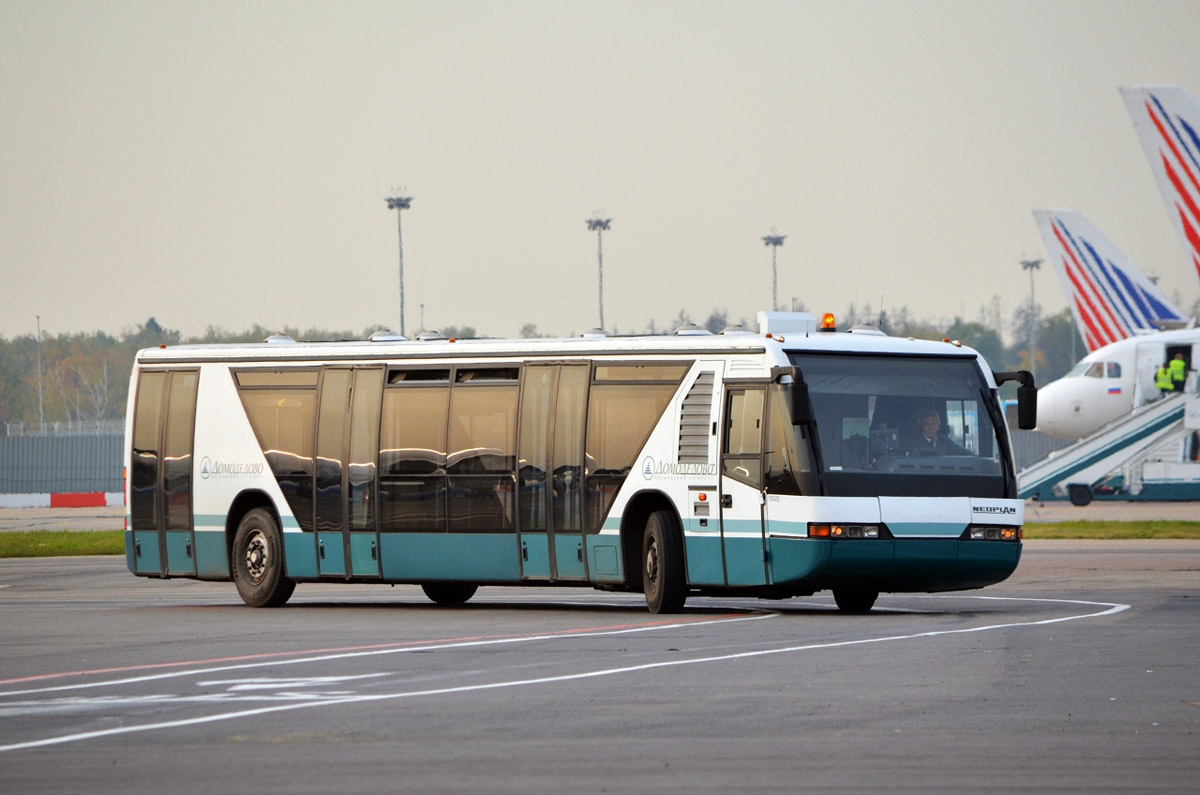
(904,426)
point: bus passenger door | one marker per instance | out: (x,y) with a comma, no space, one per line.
(347,442)
(361,496)
(161,480)
(550,472)
(742,486)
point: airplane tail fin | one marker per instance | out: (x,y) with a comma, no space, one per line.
(1110,299)
(1167,120)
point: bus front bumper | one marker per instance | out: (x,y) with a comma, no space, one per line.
(891,565)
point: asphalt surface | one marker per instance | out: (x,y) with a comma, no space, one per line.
(1079,674)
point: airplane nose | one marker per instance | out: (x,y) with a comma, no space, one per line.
(1058,411)
(1047,420)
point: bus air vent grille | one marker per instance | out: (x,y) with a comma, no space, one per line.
(694,418)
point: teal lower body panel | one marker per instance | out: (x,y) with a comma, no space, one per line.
(364,555)
(568,556)
(797,559)
(705,565)
(331,555)
(744,561)
(605,557)
(146,552)
(931,555)
(997,559)
(472,557)
(300,551)
(535,556)
(180,558)
(892,565)
(201,554)
(129,558)
(212,556)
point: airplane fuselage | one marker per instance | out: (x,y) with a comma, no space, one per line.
(1111,381)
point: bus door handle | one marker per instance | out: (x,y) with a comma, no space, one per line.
(726,500)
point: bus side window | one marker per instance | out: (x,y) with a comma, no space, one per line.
(481,457)
(742,459)
(283,421)
(412,459)
(620,419)
(782,453)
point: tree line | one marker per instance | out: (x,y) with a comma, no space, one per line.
(85,377)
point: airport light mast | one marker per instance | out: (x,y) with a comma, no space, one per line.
(1032,265)
(41,406)
(599,225)
(400,203)
(774,241)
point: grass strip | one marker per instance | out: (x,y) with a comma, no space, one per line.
(60,543)
(1112,531)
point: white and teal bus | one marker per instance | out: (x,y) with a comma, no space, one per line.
(771,464)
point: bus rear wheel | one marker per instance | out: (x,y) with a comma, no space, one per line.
(449,593)
(662,564)
(258,561)
(854,601)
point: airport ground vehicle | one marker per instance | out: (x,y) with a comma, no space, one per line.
(770,464)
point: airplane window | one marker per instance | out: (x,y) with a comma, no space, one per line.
(1114,369)
(1077,370)
(1096,370)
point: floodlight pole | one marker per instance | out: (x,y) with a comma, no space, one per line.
(1032,265)
(41,406)
(598,225)
(774,241)
(399,203)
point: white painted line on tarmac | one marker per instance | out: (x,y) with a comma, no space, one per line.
(1112,608)
(343,655)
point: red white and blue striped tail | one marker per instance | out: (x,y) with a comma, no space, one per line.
(1167,120)
(1109,297)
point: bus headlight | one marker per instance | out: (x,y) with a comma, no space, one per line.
(982,533)
(842,531)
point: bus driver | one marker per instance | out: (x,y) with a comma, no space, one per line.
(928,442)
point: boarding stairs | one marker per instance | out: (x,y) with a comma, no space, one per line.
(1125,442)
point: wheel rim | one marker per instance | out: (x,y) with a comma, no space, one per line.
(258,556)
(652,566)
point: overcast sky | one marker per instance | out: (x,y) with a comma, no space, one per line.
(226,163)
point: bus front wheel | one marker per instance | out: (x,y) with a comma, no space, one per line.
(258,561)
(854,601)
(662,564)
(449,593)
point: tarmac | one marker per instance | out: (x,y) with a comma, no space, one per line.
(113,518)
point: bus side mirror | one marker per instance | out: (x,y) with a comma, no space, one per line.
(1027,407)
(802,413)
(1026,397)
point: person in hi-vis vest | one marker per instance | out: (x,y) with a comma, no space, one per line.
(1178,368)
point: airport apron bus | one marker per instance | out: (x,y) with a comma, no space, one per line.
(772,464)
